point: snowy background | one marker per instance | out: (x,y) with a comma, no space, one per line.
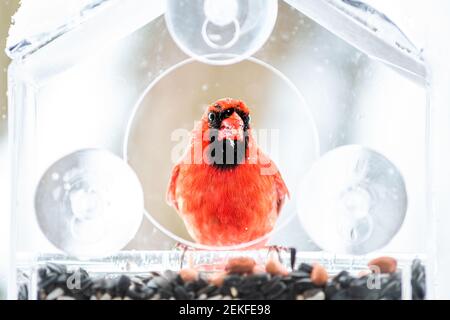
(427,23)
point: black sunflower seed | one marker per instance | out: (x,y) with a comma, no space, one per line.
(247,286)
(42,273)
(259,278)
(201,282)
(136,295)
(277,290)
(170,275)
(208,290)
(343,279)
(299,275)
(359,289)
(232,280)
(47,282)
(180,293)
(165,293)
(61,279)
(305,268)
(418,282)
(268,287)
(253,296)
(340,295)
(122,285)
(152,284)
(191,286)
(392,291)
(23,292)
(162,282)
(302,285)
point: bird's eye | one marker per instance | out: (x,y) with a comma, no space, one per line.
(227,113)
(211,116)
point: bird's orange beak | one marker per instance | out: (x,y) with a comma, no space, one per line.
(232,128)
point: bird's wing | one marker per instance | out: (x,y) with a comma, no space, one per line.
(282,190)
(280,187)
(171,191)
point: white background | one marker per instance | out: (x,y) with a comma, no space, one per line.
(426,22)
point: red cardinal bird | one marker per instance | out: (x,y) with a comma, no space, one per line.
(230,192)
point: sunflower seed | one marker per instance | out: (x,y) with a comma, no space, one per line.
(55,294)
(180,293)
(65,298)
(305,268)
(106,296)
(302,285)
(123,284)
(314,294)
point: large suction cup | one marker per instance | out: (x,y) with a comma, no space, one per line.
(352,201)
(221,31)
(89,203)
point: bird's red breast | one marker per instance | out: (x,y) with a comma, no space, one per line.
(226,203)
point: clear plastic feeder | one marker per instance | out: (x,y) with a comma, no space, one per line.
(221,32)
(361,196)
(89,203)
(130,78)
(172,126)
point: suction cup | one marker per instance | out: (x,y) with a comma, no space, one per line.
(89,203)
(353,201)
(221,32)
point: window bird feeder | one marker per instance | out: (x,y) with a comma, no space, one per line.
(102,107)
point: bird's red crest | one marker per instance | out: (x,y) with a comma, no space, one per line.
(227,103)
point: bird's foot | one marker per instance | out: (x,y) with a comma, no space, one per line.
(278,251)
(185,249)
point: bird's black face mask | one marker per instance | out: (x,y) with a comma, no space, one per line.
(223,152)
(226,154)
